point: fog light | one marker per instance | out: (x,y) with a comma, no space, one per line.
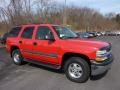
(99,59)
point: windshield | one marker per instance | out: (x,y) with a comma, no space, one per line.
(64,32)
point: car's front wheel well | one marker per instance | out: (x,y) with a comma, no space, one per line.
(12,49)
(66,57)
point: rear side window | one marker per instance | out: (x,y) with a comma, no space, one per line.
(14,32)
(27,33)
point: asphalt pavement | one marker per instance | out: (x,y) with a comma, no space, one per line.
(34,77)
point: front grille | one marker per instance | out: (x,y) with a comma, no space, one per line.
(109,60)
(107,48)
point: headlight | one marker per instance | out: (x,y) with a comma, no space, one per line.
(100,55)
(101,52)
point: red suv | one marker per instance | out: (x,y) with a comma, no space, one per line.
(58,47)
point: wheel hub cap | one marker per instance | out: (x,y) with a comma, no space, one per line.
(16,57)
(75,70)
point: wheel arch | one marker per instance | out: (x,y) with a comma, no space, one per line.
(67,55)
(13,48)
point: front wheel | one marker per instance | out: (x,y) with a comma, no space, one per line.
(77,70)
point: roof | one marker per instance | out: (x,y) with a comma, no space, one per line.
(37,25)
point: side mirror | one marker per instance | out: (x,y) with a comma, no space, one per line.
(50,37)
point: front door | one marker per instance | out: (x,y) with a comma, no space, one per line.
(45,50)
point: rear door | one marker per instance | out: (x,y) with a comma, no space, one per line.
(26,42)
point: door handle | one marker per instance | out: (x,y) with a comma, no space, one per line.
(34,43)
(20,42)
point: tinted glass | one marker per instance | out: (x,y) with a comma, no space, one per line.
(43,32)
(28,32)
(64,32)
(14,32)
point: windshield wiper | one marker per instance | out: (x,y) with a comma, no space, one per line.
(72,37)
(69,37)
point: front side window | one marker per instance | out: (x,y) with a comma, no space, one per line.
(43,33)
(27,33)
(64,32)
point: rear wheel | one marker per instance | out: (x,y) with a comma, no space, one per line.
(77,70)
(17,57)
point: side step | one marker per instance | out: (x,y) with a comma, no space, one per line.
(52,66)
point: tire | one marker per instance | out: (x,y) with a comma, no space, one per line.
(79,75)
(17,57)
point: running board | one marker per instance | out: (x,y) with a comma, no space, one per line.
(52,66)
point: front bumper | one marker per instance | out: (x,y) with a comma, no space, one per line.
(101,67)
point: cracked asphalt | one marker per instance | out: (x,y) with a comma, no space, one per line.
(34,77)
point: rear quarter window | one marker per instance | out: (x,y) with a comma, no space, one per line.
(14,32)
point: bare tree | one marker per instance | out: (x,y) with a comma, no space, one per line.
(17,12)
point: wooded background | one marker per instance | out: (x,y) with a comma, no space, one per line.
(17,12)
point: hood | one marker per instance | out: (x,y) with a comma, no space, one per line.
(87,43)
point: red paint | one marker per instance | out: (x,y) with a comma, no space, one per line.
(59,47)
